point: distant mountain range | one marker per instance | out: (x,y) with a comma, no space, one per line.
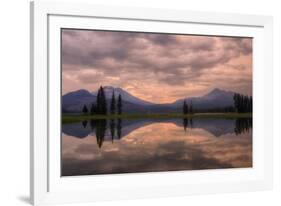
(126,96)
(73,102)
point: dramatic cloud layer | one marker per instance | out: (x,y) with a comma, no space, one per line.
(155,67)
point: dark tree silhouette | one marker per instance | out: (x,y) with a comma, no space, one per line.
(99,106)
(85,109)
(101,102)
(93,109)
(243,103)
(185,107)
(119,104)
(190,108)
(251,104)
(112,105)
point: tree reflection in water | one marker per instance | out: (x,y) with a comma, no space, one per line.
(99,126)
(92,124)
(112,129)
(100,131)
(84,123)
(191,123)
(155,145)
(119,128)
(243,125)
(186,124)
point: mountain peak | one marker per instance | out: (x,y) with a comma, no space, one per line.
(216,98)
(126,96)
(79,92)
(218,92)
(215,90)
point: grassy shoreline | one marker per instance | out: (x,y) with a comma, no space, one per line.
(68,118)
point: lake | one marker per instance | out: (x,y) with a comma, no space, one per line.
(153,145)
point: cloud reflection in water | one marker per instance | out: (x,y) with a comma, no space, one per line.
(155,146)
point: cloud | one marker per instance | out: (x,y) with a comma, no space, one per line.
(93,58)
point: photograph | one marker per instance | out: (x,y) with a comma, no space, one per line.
(136,102)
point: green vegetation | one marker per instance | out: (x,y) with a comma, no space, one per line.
(68,118)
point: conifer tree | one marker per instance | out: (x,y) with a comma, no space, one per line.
(119,104)
(112,105)
(185,107)
(191,108)
(99,109)
(93,109)
(243,103)
(85,109)
(103,101)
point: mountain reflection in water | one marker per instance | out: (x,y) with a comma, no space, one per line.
(148,145)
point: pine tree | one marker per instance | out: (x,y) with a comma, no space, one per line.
(103,101)
(93,109)
(99,109)
(119,104)
(85,109)
(185,107)
(242,103)
(250,104)
(112,105)
(191,108)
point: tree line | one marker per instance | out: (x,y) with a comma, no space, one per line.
(100,107)
(187,109)
(243,103)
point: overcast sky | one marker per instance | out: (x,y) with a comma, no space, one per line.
(159,68)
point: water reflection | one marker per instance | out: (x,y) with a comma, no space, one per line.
(100,131)
(119,128)
(216,127)
(84,123)
(146,145)
(112,129)
(187,123)
(243,125)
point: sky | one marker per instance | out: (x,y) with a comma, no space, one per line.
(159,68)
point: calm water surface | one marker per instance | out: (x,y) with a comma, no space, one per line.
(125,146)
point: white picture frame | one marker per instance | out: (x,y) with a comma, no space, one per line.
(47,186)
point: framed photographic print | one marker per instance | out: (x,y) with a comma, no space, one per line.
(141,103)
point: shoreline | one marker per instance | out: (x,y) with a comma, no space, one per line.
(71,118)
